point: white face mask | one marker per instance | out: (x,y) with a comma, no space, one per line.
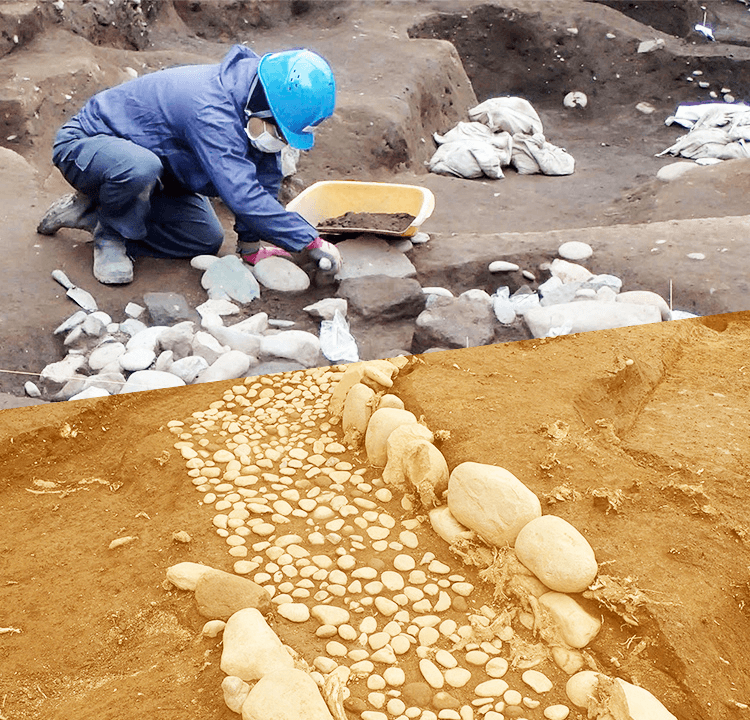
(264,136)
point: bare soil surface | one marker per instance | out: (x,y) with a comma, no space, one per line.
(649,460)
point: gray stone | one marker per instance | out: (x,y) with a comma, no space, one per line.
(93,326)
(254,325)
(167,307)
(217,307)
(326,308)
(278,273)
(185,575)
(178,339)
(164,361)
(455,323)
(236,339)
(285,695)
(203,262)
(208,347)
(104,354)
(504,310)
(369,255)
(584,316)
(675,170)
(188,368)
(109,381)
(132,327)
(297,345)
(555,292)
(646,297)
(60,372)
(233,364)
(236,691)
(73,321)
(32,390)
(133,310)
(75,337)
(272,367)
(383,297)
(150,380)
(569,271)
(138,359)
(220,594)
(230,278)
(604,280)
(476,295)
(502,266)
(92,392)
(148,338)
(575,250)
(251,649)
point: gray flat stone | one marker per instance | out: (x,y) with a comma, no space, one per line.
(369,255)
(455,323)
(167,308)
(230,278)
(383,297)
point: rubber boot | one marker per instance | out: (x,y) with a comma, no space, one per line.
(75,210)
(112,266)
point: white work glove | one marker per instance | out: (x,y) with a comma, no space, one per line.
(326,255)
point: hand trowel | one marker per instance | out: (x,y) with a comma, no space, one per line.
(78,295)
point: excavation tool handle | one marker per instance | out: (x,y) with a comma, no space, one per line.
(63,279)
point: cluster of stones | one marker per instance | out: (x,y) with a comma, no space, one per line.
(576,300)
(107,358)
(402,633)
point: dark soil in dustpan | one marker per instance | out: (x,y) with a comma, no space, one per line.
(374,222)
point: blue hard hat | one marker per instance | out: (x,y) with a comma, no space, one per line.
(301,93)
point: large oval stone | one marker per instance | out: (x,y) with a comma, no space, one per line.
(575,625)
(220,594)
(382,423)
(278,273)
(491,501)
(251,649)
(557,554)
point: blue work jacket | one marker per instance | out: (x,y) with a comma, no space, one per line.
(193,119)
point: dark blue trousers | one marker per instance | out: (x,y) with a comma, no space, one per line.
(125,181)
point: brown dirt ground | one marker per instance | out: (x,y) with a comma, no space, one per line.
(657,451)
(648,459)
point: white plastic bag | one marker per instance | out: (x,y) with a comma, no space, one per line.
(511,114)
(336,342)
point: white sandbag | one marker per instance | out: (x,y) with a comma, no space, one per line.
(533,154)
(511,114)
(468,159)
(708,143)
(474,131)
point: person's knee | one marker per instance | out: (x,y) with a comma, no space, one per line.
(139,173)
